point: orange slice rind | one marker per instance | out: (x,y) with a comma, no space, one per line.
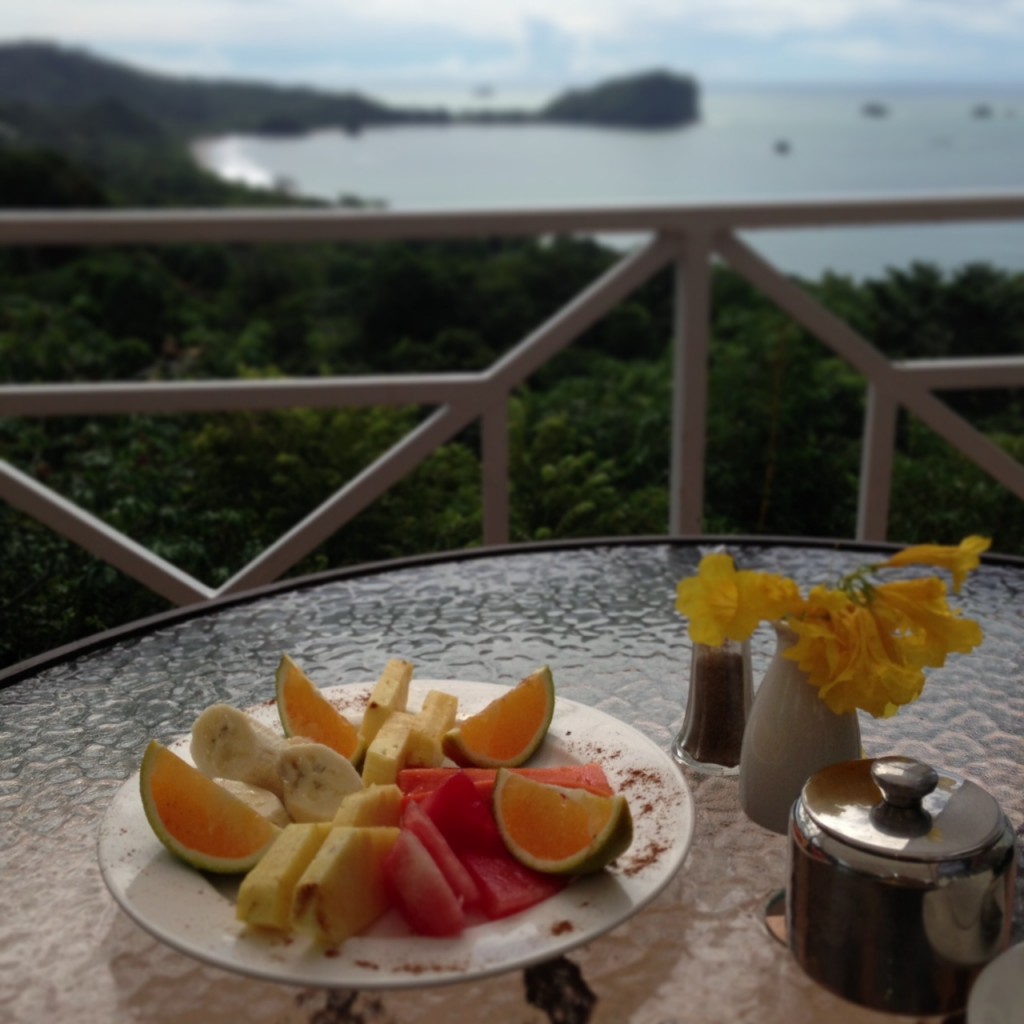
(559,830)
(306,712)
(509,729)
(198,820)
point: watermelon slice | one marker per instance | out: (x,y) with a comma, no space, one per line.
(506,886)
(416,821)
(419,890)
(463,817)
(467,822)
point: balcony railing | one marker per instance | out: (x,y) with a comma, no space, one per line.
(686,237)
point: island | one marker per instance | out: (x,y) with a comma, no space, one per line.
(656,99)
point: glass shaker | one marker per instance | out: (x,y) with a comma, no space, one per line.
(721,693)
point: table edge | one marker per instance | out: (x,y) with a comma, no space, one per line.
(137,627)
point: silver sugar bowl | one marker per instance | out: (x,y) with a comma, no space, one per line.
(900,884)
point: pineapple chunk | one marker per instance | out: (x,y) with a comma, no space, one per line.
(428,728)
(386,755)
(376,805)
(389,694)
(342,891)
(265,895)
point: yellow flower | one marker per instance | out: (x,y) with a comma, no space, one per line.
(863,644)
(959,561)
(851,657)
(929,629)
(722,603)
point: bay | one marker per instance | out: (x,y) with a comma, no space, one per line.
(750,145)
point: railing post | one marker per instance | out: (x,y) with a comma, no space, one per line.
(876,461)
(494,471)
(692,290)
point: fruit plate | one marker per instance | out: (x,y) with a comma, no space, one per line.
(194,912)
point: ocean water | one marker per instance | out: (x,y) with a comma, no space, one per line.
(928,141)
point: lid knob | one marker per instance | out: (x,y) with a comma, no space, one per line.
(904,783)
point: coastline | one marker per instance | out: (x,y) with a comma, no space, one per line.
(928,143)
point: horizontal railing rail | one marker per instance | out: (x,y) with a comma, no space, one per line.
(687,237)
(177,226)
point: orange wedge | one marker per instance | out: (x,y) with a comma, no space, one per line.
(509,729)
(199,820)
(306,712)
(559,830)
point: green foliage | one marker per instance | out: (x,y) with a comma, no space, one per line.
(39,179)
(939,496)
(55,593)
(922,314)
(567,474)
(784,434)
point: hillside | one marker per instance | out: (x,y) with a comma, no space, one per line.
(43,76)
(48,76)
(101,154)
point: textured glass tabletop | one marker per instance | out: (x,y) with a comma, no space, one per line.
(602,617)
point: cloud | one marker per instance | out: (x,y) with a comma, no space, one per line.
(871,51)
(246,21)
(336,42)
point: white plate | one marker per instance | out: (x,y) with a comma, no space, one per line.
(194,912)
(997,996)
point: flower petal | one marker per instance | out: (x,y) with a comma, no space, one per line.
(959,561)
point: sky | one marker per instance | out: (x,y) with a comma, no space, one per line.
(538,47)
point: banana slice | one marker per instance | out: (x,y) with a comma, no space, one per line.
(229,744)
(262,801)
(314,780)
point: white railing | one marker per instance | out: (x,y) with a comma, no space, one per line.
(688,237)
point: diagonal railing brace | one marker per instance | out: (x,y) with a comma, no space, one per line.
(899,386)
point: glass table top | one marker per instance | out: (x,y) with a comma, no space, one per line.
(602,616)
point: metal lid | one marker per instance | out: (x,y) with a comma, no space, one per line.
(899,807)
